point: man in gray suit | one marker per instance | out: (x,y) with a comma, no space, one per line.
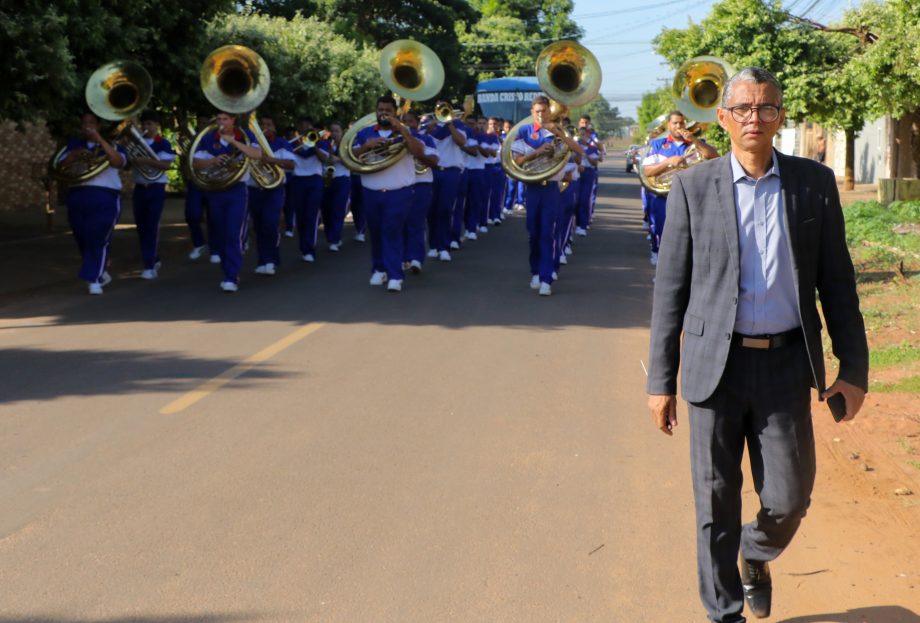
(750,238)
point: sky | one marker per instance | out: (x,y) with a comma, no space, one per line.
(620,34)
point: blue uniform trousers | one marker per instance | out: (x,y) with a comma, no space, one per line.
(514,193)
(195,209)
(93,212)
(307,198)
(356,206)
(227,209)
(288,208)
(656,215)
(585,192)
(457,220)
(335,205)
(542,213)
(476,191)
(567,208)
(266,206)
(446,185)
(422,193)
(147,203)
(496,177)
(387,212)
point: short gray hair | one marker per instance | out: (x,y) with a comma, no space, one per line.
(751,74)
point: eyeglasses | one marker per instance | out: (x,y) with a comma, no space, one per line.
(768,113)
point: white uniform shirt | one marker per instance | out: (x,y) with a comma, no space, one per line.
(449,153)
(109,178)
(398,176)
(527,141)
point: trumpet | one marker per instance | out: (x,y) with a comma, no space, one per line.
(307,140)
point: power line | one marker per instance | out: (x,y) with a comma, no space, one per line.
(622,11)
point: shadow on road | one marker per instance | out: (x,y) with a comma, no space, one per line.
(875,614)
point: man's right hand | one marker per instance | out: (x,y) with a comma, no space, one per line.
(664,412)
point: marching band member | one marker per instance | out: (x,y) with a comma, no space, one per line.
(227,207)
(461,206)
(307,193)
(495,174)
(93,206)
(267,204)
(356,207)
(304,125)
(387,194)
(449,139)
(195,205)
(514,189)
(422,194)
(668,153)
(335,197)
(587,181)
(535,140)
(568,204)
(150,195)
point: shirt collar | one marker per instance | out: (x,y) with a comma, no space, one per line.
(739,173)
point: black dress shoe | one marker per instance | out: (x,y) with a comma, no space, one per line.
(758,587)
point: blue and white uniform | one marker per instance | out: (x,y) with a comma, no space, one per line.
(494,180)
(587,185)
(660,149)
(307,197)
(266,206)
(446,184)
(387,200)
(335,197)
(568,203)
(465,195)
(93,208)
(542,201)
(422,193)
(148,199)
(226,208)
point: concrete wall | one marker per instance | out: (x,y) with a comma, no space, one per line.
(870,153)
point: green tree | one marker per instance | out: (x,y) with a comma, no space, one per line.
(605,118)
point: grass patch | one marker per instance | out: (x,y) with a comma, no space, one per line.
(898,354)
(871,237)
(915,464)
(910,385)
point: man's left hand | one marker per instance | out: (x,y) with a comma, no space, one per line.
(853,396)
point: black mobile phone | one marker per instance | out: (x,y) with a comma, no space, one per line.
(838,406)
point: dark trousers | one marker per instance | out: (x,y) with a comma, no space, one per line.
(542,214)
(265,206)
(586,185)
(148,203)
(416,221)
(387,212)
(307,198)
(446,184)
(93,213)
(195,208)
(356,206)
(227,211)
(763,399)
(458,213)
(288,208)
(335,206)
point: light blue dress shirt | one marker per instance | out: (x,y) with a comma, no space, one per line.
(767,302)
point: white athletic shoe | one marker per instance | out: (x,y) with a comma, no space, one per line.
(215,259)
(483,229)
(106,278)
(563,259)
(308,257)
(555,276)
(432,253)
(568,249)
(228,286)
(444,256)
(454,245)
(471,235)
(360,238)
(415,266)
(196,253)
(260,269)
(654,259)
(581,231)
(545,289)
(288,233)
(269,269)
(535,282)
(334,247)
(378,278)
(490,222)
(394,285)
(149,273)
(95,288)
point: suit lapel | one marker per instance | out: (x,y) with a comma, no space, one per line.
(726,192)
(789,182)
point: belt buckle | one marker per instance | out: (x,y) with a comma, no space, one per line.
(755,342)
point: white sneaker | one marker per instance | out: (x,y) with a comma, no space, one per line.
(483,229)
(654,259)
(581,231)
(308,257)
(228,286)
(555,276)
(149,273)
(288,233)
(260,269)
(563,259)
(506,211)
(545,289)
(215,259)
(568,249)
(405,266)
(535,282)
(95,288)
(196,253)
(415,266)
(444,256)
(334,247)
(394,285)
(454,245)
(490,222)
(360,238)
(432,253)
(269,269)
(378,278)
(648,236)
(520,207)
(106,278)
(470,235)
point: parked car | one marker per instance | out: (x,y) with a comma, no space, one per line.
(632,157)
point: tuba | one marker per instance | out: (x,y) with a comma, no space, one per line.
(115,92)
(235,79)
(414,73)
(697,88)
(571,76)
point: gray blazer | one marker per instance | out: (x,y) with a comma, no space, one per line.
(696,284)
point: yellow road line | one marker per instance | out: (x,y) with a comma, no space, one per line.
(209,387)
